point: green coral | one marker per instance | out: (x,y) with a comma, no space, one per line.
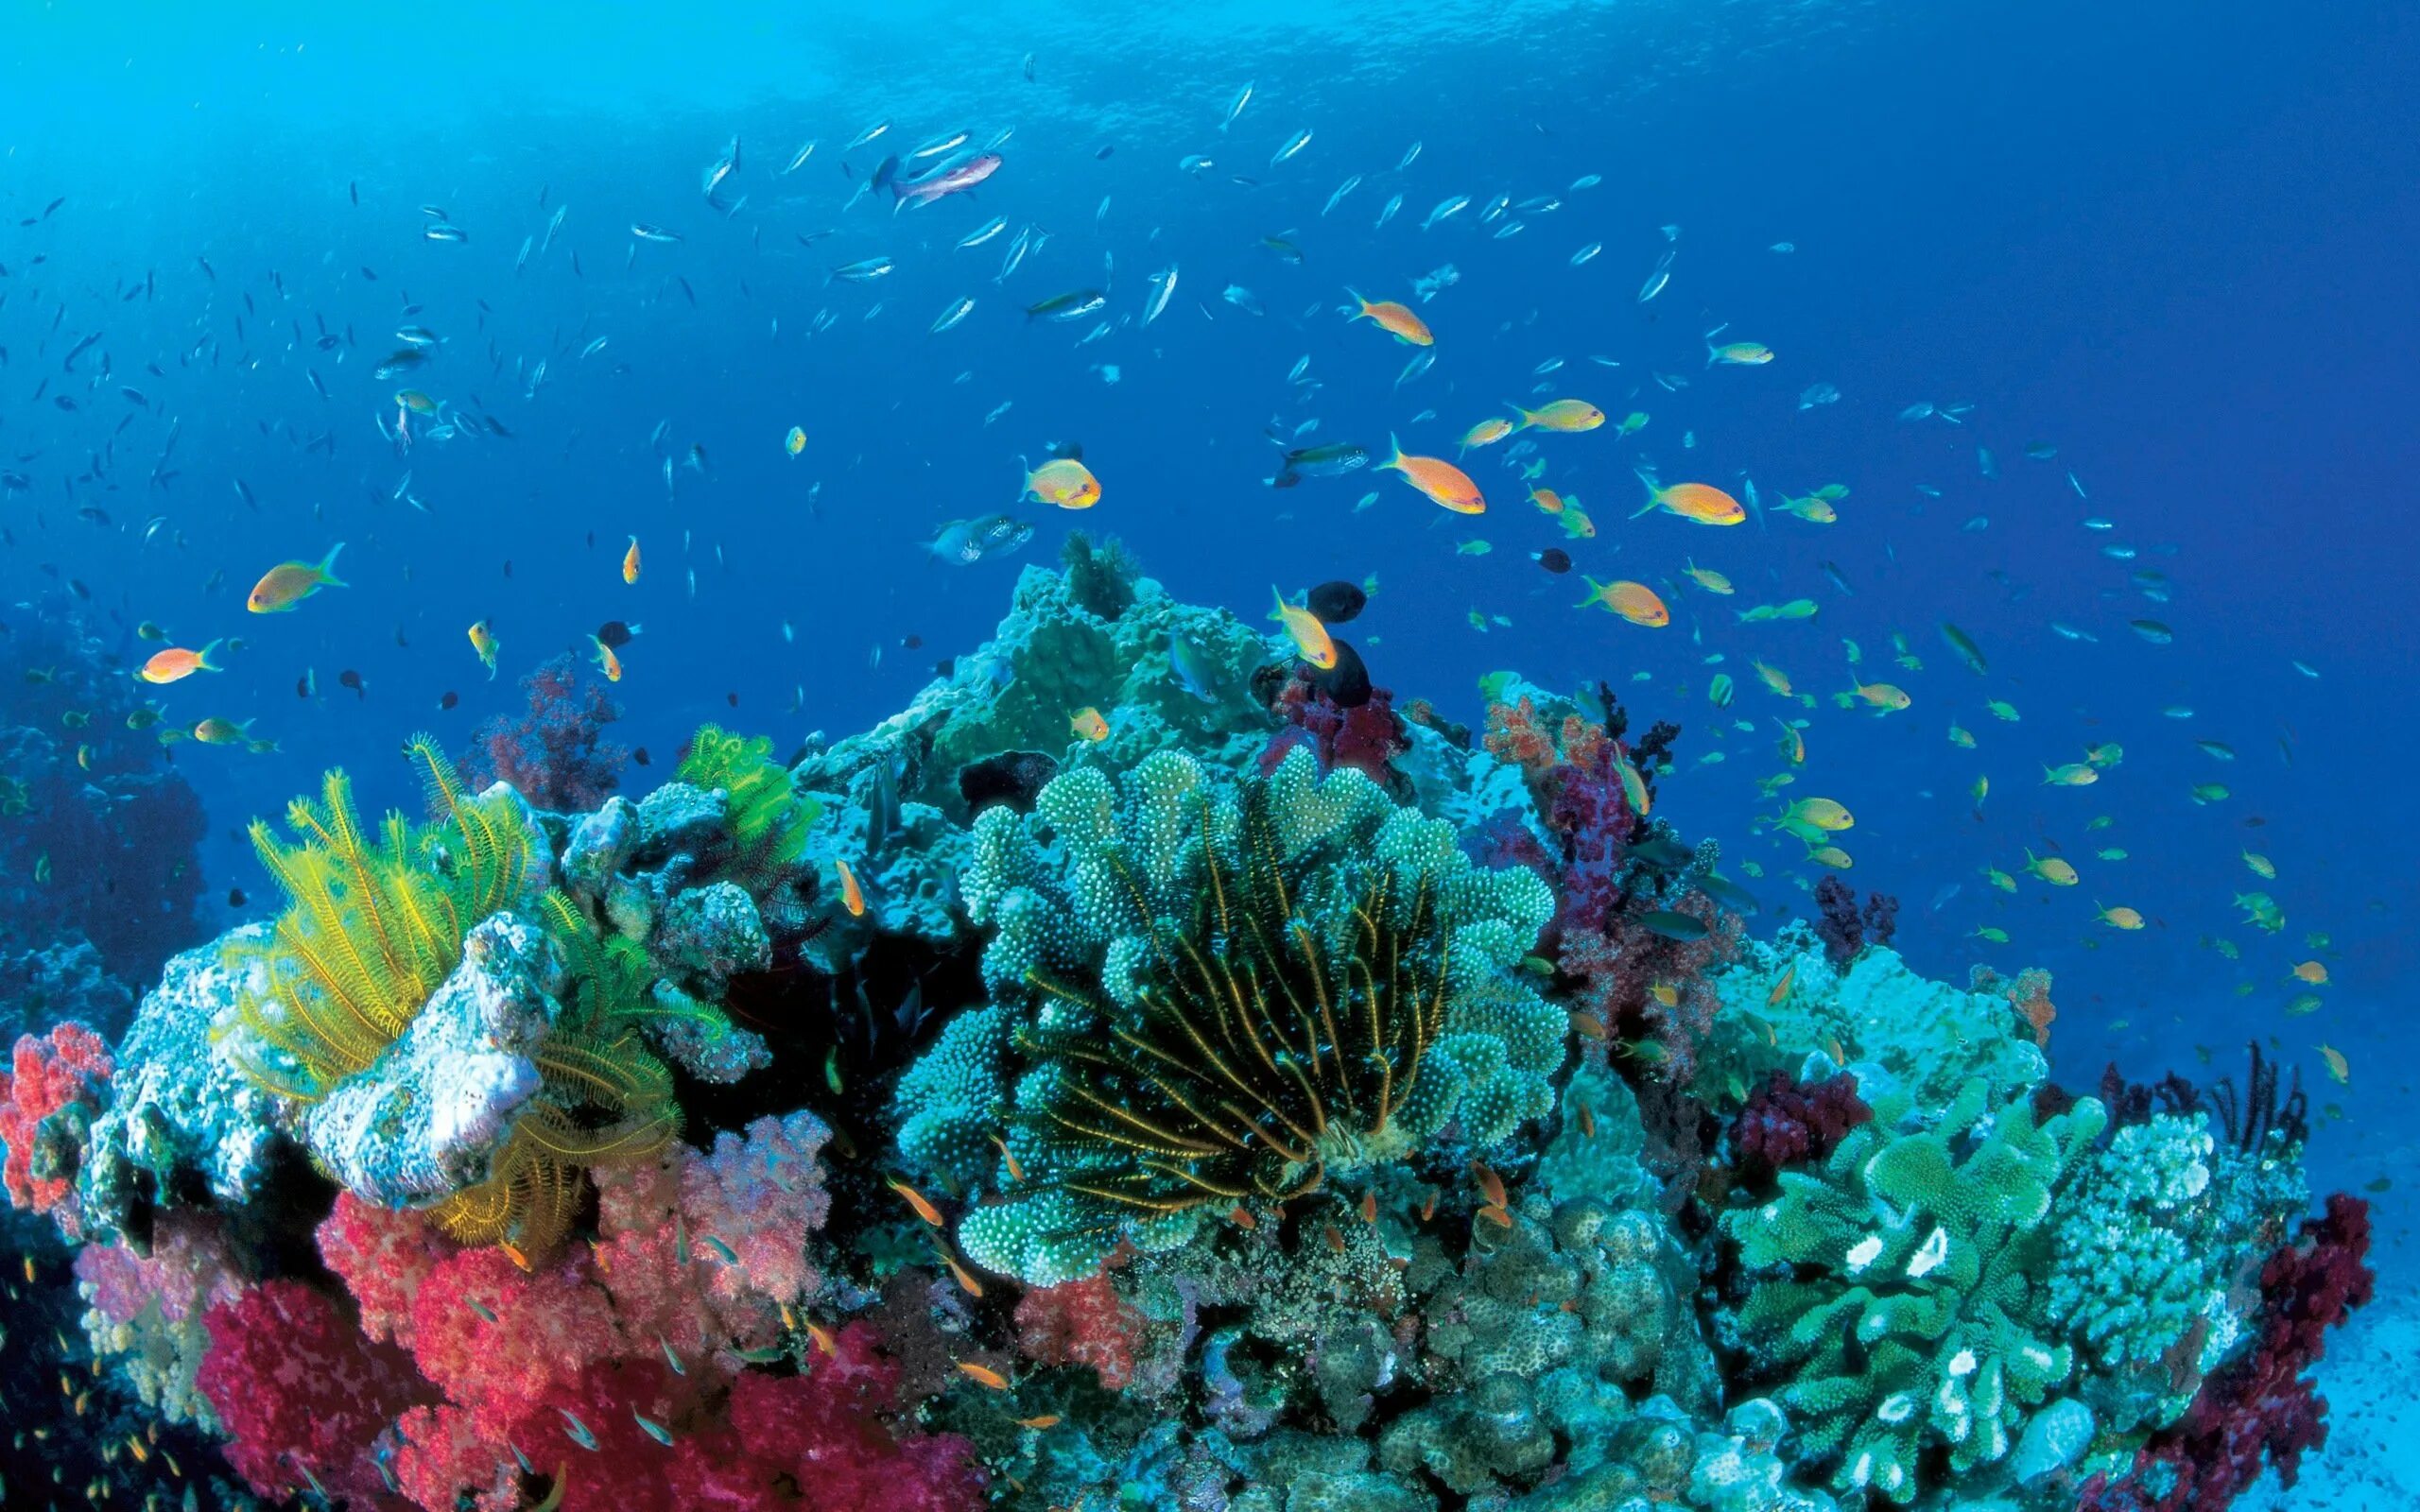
(1906,1305)
(1218,993)
(766,816)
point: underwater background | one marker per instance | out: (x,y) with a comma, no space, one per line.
(2099,316)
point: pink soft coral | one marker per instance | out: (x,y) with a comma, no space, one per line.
(556,755)
(1082,1322)
(302,1394)
(47,1101)
(382,1256)
(761,1196)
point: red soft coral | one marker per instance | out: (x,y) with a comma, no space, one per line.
(1082,1322)
(382,1256)
(1786,1124)
(1366,736)
(2263,1404)
(301,1395)
(556,755)
(47,1101)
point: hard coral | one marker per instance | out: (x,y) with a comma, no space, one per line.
(2262,1405)
(1081,1322)
(302,1394)
(48,1102)
(556,754)
(1790,1123)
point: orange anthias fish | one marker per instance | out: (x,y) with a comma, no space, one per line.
(1547,500)
(1561,415)
(1701,502)
(290,582)
(631,562)
(853,897)
(1310,636)
(1447,486)
(483,640)
(917,1200)
(606,660)
(984,1375)
(1088,725)
(1395,319)
(1634,601)
(176,662)
(1063,481)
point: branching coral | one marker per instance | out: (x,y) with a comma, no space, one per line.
(1901,1298)
(556,754)
(47,1101)
(1222,996)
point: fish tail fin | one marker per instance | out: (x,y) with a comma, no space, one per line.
(326,569)
(1527,420)
(1353,294)
(1395,454)
(1596,591)
(202,658)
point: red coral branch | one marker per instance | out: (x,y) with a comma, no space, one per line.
(47,1101)
(1082,1322)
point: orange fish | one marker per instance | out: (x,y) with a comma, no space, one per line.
(1395,319)
(1016,1172)
(853,897)
(1588,1023)
(916,1199)
(1587,1123)
(1489,1182)
(290,582)
(1495,1214)
(824,1338)
(984,1375)
(631,562)
(1562,415)
(1634,601)
(1781,989)
(1063,481)
(607,660)
(1048,1419)
(1429,1206)
(1335,1240)
(1239,1215)
(517,1255)
(1369,1206)
(1088,724)
(1547,500)
(1701,502)
(1447,486)
(176,662)
(964,1277)
(1310,636)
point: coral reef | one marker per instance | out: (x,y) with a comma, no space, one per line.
(1281,1104)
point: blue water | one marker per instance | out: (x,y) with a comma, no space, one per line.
(2172,242)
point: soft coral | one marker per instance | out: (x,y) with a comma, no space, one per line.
(556,754)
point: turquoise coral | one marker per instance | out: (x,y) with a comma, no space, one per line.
(1227,992)
(1906,1302)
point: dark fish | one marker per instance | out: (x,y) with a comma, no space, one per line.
(640,756)
(1073,305)
(351,679)
(1673,925)
(1663,852)
(615,634)
(1554,560)
(1330,461)
(731,698)
(448,699)
(1730,894)
(1347,683)
(1337,602)
(235,897)
(308,685)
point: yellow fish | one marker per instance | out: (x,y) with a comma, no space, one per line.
(2338,1066)
(1063,481)
(290,582)
(1832,856)
(1634,601)
(2074,774)
(1793,745)
(1576,524)
(1961,736)
(631,562)
(2052,870)
(607,661)
(795,441)
(1488,432)
(170,665)
(2261,866)
(1739,353)
(1821,815)
(2120,918)
(217,731)
(1812,509)
(1774,677)
(1712,581)
(1882,697)
(2314,973)
(1561,415)
(483,640)
(1701,502)
(1087,723)
(1310,636)
(853,897)
(1395,319)
(1447,486)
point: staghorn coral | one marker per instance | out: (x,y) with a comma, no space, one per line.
(1898,1300)
(48,1098)
(1220,995)
(556,754)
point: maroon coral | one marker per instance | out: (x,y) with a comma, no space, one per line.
(1366,737)
(1785,1122)
(1846,929)
(1081,1322)
(2262,1403)
(47,1101)
(556,754)
(301,1395)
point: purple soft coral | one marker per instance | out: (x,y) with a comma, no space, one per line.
(556,754)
